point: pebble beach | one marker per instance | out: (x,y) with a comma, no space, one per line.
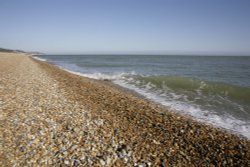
(50,117)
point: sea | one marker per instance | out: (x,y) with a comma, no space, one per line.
(212,89)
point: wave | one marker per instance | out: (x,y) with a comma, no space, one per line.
(40,59)
(196,87)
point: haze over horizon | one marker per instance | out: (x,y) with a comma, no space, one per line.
(126,26)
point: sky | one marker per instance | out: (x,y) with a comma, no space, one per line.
(126,26)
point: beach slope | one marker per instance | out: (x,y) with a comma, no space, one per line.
(49,117)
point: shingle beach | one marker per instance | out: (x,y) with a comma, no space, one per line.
(50,117)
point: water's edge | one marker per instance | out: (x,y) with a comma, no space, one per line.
(149,97)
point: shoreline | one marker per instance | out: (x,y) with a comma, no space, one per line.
(100,124)
(152,102)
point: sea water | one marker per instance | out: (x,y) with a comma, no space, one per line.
(213,89)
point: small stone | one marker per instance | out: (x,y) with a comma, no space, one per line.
(102,162)
(82,158)
(66,162)
(149,163)
(120,155)
(156,142)
(108,161)
(73,147)
(125,159)
(90,162)
(65,153)
(116,131)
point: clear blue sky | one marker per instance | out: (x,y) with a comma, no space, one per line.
(126,26)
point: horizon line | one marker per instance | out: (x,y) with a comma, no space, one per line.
(155,54)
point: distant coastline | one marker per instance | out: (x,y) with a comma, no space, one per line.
(4,50)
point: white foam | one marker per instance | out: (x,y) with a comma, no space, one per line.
(101,76)
(111,77)
(38,58)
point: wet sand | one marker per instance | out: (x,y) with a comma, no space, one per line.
(50,117)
